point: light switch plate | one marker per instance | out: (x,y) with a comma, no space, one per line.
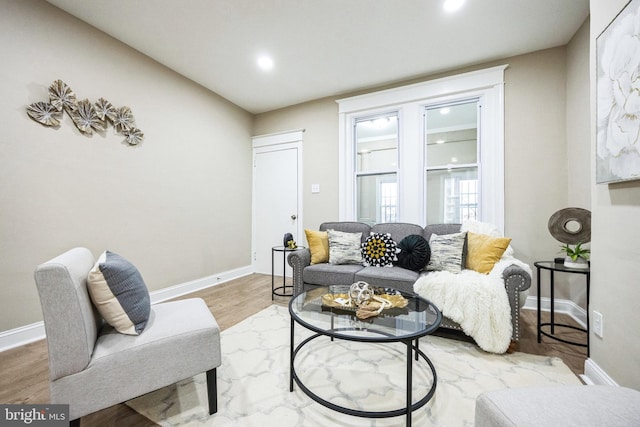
(597,323)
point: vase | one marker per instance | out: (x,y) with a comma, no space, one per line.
(579,263)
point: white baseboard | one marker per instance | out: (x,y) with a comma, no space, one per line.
(198,284)
(35,331)
(564,306)
(595,375)
(21,335)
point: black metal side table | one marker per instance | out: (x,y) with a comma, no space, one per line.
(552,267)
(281,291)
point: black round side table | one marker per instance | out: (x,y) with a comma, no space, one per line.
(553,267)
(281,291)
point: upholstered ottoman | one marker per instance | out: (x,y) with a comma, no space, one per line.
(559,406)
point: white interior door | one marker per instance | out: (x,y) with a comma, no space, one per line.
(276,197)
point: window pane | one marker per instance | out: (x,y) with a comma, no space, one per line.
(452,135)
(377,198)
(452,195)
(377,144)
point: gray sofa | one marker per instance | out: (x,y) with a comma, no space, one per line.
(306,276)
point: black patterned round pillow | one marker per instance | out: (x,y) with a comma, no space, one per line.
(414,252)
(379,250)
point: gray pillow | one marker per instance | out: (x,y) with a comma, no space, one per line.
(119,293)
(446,252)
(344,248)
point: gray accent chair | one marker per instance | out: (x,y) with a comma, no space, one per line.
(93,367)
(306,276)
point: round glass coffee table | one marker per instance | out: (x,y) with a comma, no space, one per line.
(405,325)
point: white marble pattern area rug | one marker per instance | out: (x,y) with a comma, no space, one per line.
(253,380)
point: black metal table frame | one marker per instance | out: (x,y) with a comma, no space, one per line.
(411,347)
(276,290)
(552,324)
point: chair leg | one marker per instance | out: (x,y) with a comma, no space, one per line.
(212,391)
(74,423)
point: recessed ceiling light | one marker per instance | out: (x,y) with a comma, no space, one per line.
(452,5)
(265,62)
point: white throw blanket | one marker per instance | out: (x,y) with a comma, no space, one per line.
(478,302)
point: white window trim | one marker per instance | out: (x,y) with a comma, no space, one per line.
(409,101)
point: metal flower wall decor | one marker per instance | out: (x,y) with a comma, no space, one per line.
(87,116)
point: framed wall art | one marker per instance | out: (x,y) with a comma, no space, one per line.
(618,98)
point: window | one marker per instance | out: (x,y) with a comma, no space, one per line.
(376,154)
(451,162)
(388,201)
(426,153)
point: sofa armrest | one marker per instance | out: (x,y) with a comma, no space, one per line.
(298,260)
(516,280)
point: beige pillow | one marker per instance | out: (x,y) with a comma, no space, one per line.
(318,246)
(484,251)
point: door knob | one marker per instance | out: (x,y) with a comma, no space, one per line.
(294,217)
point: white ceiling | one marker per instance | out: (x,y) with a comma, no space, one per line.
(325,47)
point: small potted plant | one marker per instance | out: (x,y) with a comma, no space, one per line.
(577,257)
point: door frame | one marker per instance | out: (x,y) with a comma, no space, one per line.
(268,143)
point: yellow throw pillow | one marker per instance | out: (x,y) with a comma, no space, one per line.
(484,251)
(318,245)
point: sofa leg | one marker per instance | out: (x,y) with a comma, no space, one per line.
(212,391)
(513,347)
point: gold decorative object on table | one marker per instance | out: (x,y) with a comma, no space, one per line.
(288,242)
(364,299)
(291,244)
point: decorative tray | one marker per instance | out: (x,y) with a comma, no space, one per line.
(369,308)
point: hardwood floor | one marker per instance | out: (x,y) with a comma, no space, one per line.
(573,356)
(25,369)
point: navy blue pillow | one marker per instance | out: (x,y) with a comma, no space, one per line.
(414,252)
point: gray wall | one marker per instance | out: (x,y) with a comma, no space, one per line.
(168,205)
(615,249)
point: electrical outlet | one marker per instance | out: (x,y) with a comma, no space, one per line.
(597,323)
